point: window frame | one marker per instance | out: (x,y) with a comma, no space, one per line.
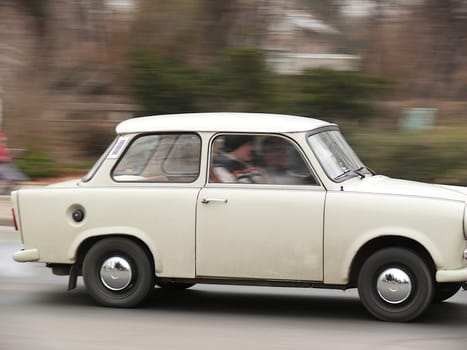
(139,136)
(317,181)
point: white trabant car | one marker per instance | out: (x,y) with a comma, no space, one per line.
(238,198)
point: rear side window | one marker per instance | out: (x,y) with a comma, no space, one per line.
(160,158)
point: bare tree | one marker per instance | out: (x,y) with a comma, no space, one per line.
(422,45)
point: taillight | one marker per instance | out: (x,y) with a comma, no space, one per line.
(15,223)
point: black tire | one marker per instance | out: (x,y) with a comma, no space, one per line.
(129,259)
(444,291)
(406,286)
(174,285)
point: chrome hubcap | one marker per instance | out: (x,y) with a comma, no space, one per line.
(394,286)
(116,273)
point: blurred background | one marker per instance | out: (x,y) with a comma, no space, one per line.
(392,73)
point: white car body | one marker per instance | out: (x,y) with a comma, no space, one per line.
(202,231)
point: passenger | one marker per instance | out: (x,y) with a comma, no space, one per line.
(235,164)
(277,156)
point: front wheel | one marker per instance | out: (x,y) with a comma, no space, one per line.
(395,284)
(118,272)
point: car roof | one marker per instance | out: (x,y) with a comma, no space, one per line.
(222,122)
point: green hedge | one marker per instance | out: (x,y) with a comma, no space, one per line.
(435,155)
(37,164)
(241,81)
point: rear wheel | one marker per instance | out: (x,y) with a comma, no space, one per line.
(118,272)
(395,284)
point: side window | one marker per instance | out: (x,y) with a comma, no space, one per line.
(259,159)
(160,158)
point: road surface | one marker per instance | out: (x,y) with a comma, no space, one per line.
(36,312)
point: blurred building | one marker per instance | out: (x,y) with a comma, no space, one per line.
(297,40)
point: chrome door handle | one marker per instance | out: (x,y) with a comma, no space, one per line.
(213,200)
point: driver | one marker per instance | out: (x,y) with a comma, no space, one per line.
(235,163)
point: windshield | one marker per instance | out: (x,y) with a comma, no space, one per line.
(337,158)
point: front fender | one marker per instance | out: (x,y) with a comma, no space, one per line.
(352,219)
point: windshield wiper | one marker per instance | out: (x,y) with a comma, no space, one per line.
(346,171)
(371,171)
(359,173)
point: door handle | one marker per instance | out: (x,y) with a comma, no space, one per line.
(213,200)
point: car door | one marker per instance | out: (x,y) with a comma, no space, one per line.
(261,230)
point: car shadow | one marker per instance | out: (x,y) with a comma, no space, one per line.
(449,312)
(254,302)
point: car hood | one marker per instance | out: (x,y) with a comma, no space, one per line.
(387,185)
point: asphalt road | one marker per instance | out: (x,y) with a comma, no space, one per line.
(36,312)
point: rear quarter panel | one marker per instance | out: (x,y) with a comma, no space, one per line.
(162,217)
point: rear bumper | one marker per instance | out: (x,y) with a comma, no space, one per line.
(444,276)
(26,255)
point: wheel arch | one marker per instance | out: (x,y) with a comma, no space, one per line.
(87,243)
(379,243)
